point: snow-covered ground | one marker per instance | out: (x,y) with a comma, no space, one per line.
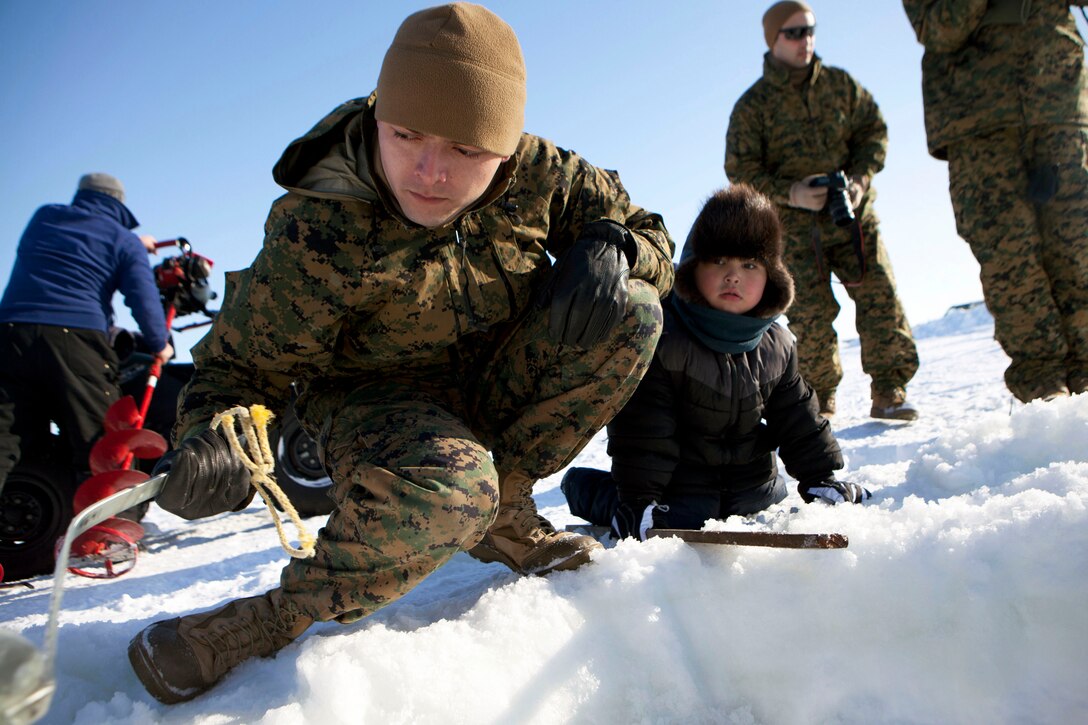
(962,598)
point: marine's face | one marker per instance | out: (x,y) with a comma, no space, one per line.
(731,284)
(433,178)
(793,51)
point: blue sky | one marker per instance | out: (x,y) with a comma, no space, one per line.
(191,104)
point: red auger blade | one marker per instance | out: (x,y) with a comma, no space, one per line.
(105,484)
(122,415)
(109,547)
(111,450)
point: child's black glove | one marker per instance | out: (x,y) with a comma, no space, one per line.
(828,490)
(636,518)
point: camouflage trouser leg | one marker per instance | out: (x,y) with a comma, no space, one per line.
(1033,257)
(412,487)
(888,353)
(543,401)
(812,315)
(1064,223)
(413,479)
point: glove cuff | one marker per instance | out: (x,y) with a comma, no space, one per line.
(611,231)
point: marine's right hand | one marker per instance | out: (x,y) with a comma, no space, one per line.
(204,478)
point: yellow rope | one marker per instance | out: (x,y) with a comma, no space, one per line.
(261,464)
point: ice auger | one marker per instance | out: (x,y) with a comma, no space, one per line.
(110,546)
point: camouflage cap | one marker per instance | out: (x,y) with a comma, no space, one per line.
(456,71)
(103,183)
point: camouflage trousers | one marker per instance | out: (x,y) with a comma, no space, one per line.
(416,454)
(1021,203)
(888,353)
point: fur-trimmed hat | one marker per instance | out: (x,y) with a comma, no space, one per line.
(456,71)
(738,222)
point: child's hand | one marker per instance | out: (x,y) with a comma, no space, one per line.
(635,519)
(830,491)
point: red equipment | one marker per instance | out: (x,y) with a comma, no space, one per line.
(183,286)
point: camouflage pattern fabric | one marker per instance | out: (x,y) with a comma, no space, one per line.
(409,453)
(779,134)
(420,356)
(979,77)
(888,352)
(1006,100)
(1033,257)
(346,289)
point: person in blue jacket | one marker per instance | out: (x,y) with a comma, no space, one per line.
(56,362)
(698,438)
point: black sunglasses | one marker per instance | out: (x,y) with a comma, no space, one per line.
(801,31)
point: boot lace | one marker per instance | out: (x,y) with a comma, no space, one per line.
(249,635)
(529,522)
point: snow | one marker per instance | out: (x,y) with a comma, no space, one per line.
(961,597)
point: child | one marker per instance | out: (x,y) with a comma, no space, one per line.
(697,439)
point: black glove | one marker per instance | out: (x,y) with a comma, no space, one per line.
(635,519)
(588,287)
(828,490)
(205,478)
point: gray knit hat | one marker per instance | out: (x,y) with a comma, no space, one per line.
(103,183)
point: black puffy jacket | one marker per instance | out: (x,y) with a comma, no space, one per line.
(703,420)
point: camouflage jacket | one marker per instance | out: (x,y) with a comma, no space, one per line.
(986,67)
(347,290)
(779,134)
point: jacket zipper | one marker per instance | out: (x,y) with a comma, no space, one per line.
(469,311)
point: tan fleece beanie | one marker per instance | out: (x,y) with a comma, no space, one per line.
(779,13)
(455,71)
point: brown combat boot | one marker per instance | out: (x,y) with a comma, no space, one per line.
(891,403)
(178,659)
(1078,383)
(524,540)
(1045,392)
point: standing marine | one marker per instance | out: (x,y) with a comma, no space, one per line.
(1006,104)
(790,135)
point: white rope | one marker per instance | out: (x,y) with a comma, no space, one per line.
(261,464)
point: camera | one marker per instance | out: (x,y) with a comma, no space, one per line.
(838,201)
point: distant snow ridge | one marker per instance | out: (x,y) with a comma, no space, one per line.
(959,319)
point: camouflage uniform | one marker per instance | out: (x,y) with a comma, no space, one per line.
(778,134)
(1006,104)
(422,362)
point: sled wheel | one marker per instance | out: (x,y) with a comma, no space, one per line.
(35,509)
(299,471)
